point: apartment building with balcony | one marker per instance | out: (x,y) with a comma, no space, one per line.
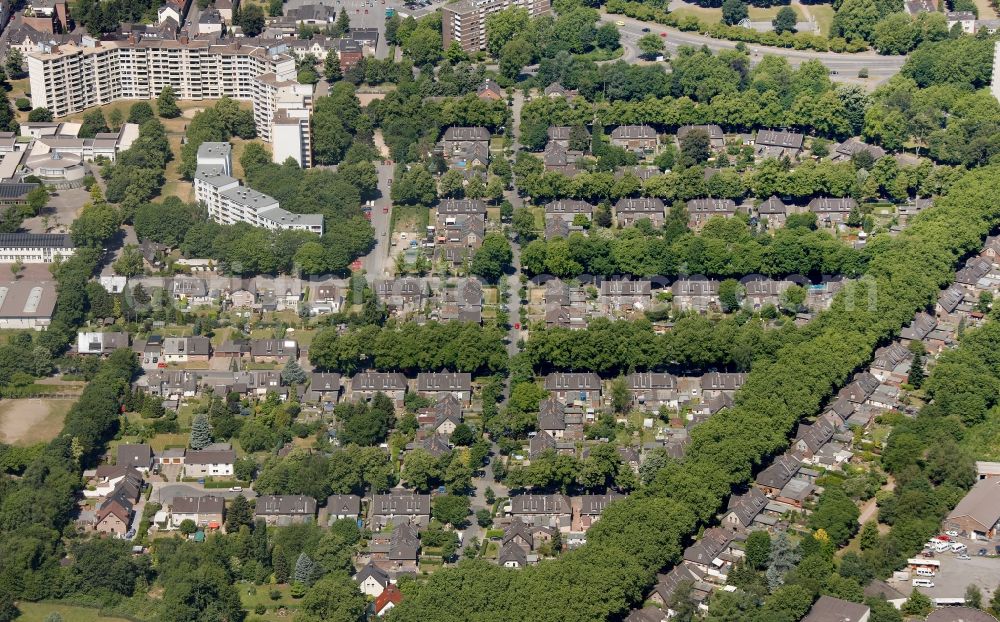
(67,79)
(229,202)
(465,22)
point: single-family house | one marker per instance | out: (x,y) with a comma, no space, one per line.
(774,212)
(772,479)
(700,211)
(629,211)
(284,510)
(372,580)
(641,139)
(136,456)
(832,211)
(186,349)
(206,511)
(695,294)
(213,461)
(323,387)
(273,350)
(810,438)
(716,138)
(100,343)
(341,506)
(830,609)
(742,509)
(437,384)
(591,508)
(653,390)
(918,329)
(406,506)
(777,144)
(365,385)
(553,511)
(576,388)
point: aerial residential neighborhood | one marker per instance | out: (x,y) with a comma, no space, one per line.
(491,310)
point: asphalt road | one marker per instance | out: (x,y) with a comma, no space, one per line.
(163,492)
(845,66)
(379,259)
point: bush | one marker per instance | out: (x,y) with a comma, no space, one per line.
(23,104)
(260,609)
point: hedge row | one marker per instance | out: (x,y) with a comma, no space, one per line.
(647,532)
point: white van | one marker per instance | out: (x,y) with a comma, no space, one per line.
(941,546)
(923,583)
(925,572)
(958,547)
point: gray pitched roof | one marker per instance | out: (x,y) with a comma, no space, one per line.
(285,505)
(343,504)
(559,381)
(401,504)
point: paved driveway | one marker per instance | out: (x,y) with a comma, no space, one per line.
(164,492)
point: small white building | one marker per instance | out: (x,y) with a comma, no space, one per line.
(35,247)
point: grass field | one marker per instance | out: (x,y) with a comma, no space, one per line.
(263,597)
(823,14)
(30,421)
(712,16)
(36,612)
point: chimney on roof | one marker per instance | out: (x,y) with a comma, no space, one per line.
(131,39)
(184,39)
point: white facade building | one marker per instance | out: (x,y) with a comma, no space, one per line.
(70,78)
(35,247)
(228,202)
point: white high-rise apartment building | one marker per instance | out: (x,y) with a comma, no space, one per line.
(70,78)
(995,83)
(283,106)
(228,202)
(465,21)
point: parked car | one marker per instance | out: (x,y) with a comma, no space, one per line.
(236,489)
(982,552)
(952,533)
(645,29)
(963,556)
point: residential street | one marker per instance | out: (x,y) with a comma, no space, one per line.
(379,259)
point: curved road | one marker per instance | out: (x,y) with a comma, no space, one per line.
(846,66)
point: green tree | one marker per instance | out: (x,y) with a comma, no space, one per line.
(451,509)
(463,436)
(14,65)
(869,537)
(973,596)
(917,604)
(187,527)
(516,54)
(201,432)
(292,373)
(129,263)
(275,8)
(331,68)
(733,11)
(166,103)
(695,147)
(250,17)
(651,45)
(985,302)
(484,518)
(279,562)
(621,398)
(238,514)
(493,257)
(334,598)
(730,292)
(305,569)
(39,115)
(93,123)
(523,224)
(994,607)
(503,26)
(785,20)
(758,549)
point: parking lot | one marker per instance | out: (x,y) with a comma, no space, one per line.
(957,574)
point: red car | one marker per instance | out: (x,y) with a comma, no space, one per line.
(385,210)
(663,34)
